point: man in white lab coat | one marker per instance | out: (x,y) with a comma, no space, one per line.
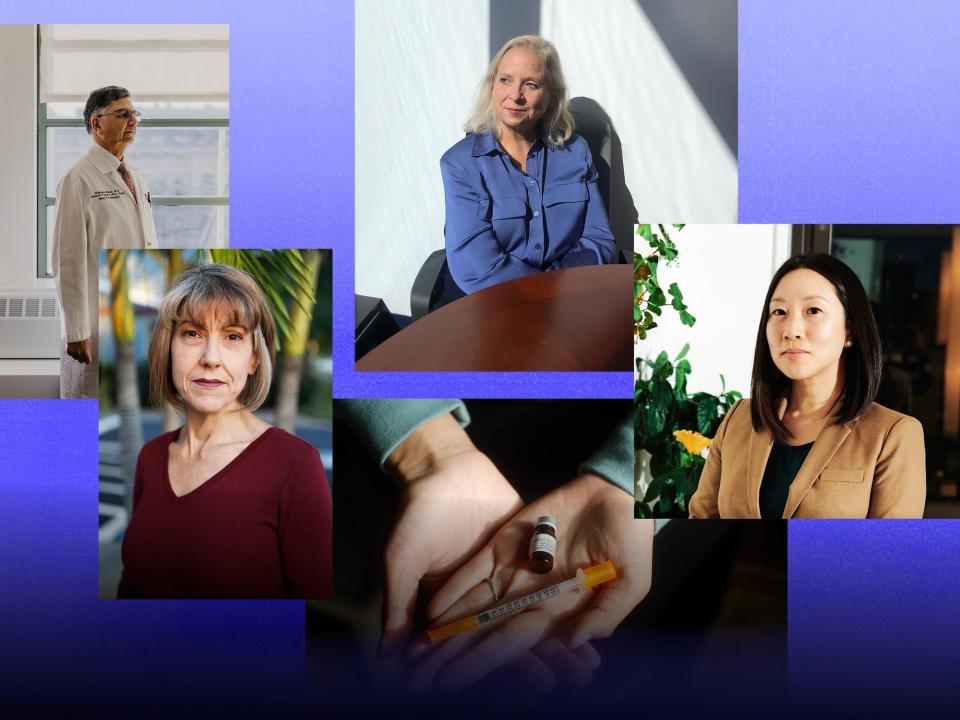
(101,203)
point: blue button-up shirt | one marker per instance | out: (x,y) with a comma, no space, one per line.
(503,223)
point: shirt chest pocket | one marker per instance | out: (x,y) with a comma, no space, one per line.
(841,476)
(566,209)
(575,192)
(508,216)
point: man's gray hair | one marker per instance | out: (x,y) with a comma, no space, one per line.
(99,100)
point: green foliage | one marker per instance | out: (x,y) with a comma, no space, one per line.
(281,274)
(662,405)
(661,401)
(648,296)
(321,324)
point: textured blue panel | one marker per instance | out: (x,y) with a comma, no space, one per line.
(479,385)
(56,631)
(848,111)
(873,614)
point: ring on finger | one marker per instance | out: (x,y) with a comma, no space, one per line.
(492,583)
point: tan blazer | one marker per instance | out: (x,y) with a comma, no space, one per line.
(871,467)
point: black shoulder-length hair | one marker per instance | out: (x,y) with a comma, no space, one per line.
(862,361)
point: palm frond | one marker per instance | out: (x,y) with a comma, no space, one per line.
(281,274)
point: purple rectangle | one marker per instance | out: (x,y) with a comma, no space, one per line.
(55,632)
(873,615)
(848,111)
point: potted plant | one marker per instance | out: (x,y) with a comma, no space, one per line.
(671,431)
(672,428)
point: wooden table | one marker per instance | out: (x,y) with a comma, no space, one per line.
(574,320)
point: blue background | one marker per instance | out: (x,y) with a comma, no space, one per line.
(848,112)
(873,616)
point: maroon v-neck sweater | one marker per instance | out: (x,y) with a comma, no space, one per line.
(259,528)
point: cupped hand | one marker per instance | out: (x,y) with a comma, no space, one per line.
(595,523)
(455,500)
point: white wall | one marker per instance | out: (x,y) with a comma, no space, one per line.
(18,168)
(723,272)
(417,69)
(675,161)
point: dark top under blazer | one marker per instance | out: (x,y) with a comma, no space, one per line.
(259,528)
(502,223)
(870,467)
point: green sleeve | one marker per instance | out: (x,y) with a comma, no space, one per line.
(614,460)
(383,424)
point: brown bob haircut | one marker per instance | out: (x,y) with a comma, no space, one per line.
(234,298)
(862,362)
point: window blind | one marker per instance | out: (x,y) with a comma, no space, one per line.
(154,62)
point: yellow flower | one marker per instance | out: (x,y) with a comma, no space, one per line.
(694,442)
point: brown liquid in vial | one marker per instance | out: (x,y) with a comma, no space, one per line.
(543,545)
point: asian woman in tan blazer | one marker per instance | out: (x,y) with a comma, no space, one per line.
(810,442)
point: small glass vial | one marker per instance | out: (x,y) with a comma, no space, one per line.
(543,545)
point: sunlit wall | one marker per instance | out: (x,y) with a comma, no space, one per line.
(723,272)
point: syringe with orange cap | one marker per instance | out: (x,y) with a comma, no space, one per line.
(585,579)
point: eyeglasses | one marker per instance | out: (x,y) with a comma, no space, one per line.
(122,113)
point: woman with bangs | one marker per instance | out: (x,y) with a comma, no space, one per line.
(811,442)
(521,189)
(226,506)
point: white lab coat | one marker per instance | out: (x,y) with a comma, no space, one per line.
(95,211)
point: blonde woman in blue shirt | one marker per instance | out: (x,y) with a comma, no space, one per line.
(521,189)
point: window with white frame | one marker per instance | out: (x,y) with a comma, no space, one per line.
(178,76)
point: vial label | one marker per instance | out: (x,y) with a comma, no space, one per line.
(543,543)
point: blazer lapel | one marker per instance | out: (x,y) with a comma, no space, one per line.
(823,450)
